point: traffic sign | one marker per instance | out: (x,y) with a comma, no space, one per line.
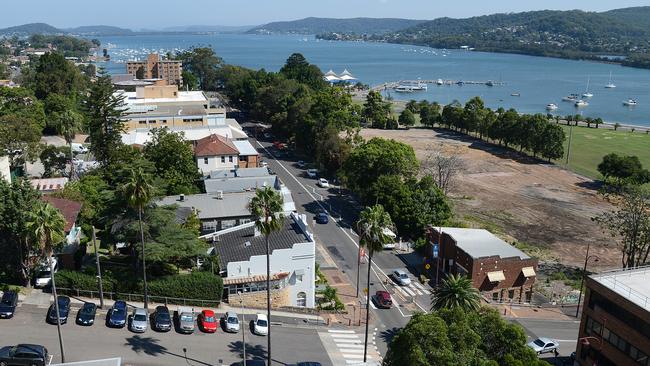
(435,250)
(427,266)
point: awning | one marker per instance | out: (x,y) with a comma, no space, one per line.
(528,272)
(252,279)
(496,276)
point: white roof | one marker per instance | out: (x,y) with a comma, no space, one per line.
(480,243)
(330,73)
(346,72)
(245,148)
(631,284)
(183,97)
(331,78)
(140,136)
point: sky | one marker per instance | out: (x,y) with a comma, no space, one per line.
(158,14)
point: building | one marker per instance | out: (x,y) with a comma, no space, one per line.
(156,106)
(242,258)
(70,210)
(48,185)
(5,168)
(497,269)
(156,68)
(218,153)
(239,180)
(230,128)
(615,324)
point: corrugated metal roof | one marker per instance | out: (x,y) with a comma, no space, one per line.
(480,243)
(210,207)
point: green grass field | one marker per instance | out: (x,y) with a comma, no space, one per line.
(589,145)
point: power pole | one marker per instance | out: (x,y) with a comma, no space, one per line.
(99,272)
(568,149)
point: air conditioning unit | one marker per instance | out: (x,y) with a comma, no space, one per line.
(220,195)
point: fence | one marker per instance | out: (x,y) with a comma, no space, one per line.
(139,298)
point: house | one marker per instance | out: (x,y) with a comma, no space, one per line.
(215,152)
(248,155)
(615,324)
(242,259)
(48,185)
(497,269)
(230,129)
(70,210)
(238,180)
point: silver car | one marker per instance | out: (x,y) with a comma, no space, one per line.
(401,277)
(139,320)
(232,322)
(544,345)
(186,320)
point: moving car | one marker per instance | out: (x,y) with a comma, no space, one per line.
(186,320)
(401,277)
(312,173)
(162,321)
(8,304)
(300,164)
(86,315)
(24,354)
(64,310)
(139,320)
(261,325)
(383,300)
(117,314)
(323,183)
(207,321)
(544,345)
(232,322)
(322,218)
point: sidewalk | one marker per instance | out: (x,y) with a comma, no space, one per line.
(532,311)
(356,312)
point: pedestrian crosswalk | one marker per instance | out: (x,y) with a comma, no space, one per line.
(413,289)
(350,346)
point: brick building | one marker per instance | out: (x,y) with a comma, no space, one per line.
(497,269)
(615,325)
(156,68)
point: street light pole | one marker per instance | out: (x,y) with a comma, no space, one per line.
(584,272)
(243,331)
(99,272)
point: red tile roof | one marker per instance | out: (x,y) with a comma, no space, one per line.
(215,145)
(69,209)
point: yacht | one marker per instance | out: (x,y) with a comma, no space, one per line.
(439,82)
(630,102)
(551,107)
(404,89)
(610,85)
(571,98)
(581,103)
(490,83)
(411,86)
(587,94)
(515,94)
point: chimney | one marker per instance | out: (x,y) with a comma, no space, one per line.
(182,197)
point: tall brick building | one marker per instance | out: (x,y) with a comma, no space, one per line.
(156,68)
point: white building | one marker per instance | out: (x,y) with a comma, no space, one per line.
(5,170)
(216,152)
(230,129)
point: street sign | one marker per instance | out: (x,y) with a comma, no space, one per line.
(365,291)
(435,250)
(427,266)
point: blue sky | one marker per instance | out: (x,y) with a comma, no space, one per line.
(137,14)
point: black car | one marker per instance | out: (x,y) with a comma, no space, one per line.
(322,218)
(116,316)
(86,315)
(64,310)
(8,304)
(24,354)
(162,321)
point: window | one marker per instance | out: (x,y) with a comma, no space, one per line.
(495,296)
(142,122)
(301,299)
(299,278)
(223,159)
(230,159)
(205,161)
(511,294)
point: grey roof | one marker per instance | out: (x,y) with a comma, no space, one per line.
(480,243)
(631,284)
(232,247)
(210,207)
(240,172)
(227,185)
(245,148)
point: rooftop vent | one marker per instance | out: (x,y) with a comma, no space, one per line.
(247,244)
(182,197)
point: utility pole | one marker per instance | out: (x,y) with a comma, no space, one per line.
(568,149)
(99,272)
(358,269)
(584,273)
(243,324)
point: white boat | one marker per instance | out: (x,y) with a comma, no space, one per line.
(587,94)
(581,103)
(404,89)
(571,97)
(610,85)
(551,107)
(439,82)
(630,102)
(411,86)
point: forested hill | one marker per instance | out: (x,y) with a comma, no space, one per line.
(327,25)
(31,28)
(100,30)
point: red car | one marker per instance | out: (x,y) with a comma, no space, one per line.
(383,300)
(207,321)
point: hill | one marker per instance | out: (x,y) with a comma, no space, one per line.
(329,25)
(29,29)
(639,15)
(209,28)
(100,30)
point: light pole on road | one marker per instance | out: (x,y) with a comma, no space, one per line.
(584,273)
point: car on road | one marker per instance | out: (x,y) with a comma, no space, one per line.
(117,314)
(86,315)
(78,148)
(8,304)
(64,310)
(261,325)
(308,364)
(322,218)
(162,321)
(401,277)
(544,345)
(323,183)
(207,321)
(383,300)
(186,320)
(231,322)
(139,320)
(300,164)
(312,173)
(256,362)
(24,355)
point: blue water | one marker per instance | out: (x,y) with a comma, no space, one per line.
(538,80)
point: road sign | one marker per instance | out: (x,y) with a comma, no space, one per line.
(435,250)
(365,291)
(427,266)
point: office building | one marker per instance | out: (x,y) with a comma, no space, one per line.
(156,68)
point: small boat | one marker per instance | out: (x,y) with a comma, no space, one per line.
(439,82)
(630,103)
(587,94)
(460,82)
(581,103)
(404,89)
(570,98)
(490,83)
(411,86)
(551,107)
(515,95)
(610,85)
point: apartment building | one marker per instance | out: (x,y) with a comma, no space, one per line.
(154,67)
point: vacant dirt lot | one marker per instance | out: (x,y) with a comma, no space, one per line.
(539,204)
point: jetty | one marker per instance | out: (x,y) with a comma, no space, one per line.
(439,82)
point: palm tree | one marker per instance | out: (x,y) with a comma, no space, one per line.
(266,207)
(46,225)
(68,124)
(138,191)
(371,227)
(455,291)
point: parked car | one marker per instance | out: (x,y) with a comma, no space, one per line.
(86,315)
(256,362)
(312,173)
(323,183)
(186,320)
(261,325)
(79,148)
(43,277)
(162,321)
(117,314)
(300,164)
(139,320)
(64,310)
(401,277)
(383,300)
(8,304)
(544,345)
(322,218)
(308,364)
(207,321)
(24,355)
(231,322)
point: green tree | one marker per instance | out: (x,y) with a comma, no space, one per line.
(553,147)
(204,64)
(455,291)
(21,103)
(423,341)
(331,150)
(375,110)
(412,105)
(625,169)
(299,69)
(68,124)
(372,225)
(20,137)
(189,80)
(54,74)
(173,159)
(266,207)
(54,160)
(406,118)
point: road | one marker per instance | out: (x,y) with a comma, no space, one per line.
(564,331)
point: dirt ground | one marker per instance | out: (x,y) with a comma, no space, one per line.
(521,199)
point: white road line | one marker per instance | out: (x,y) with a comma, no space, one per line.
(408,291)
(341,331)
(346,355)
(358,340)
(418,285)
(415,290)
(358,346)
(351,350)
(355,362)
(344,336)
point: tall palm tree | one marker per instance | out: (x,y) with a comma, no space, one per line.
(455,291)
(138,191)
(371,227)
(46,225)
(266,207)
(68,124)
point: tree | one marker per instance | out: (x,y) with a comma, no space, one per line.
(138,191)
(412,105)
(204,64)
(20,137)
(21,103)
(46,226)
(54,160)
(553,141)
(266,207)
(455,291)
(297,68)
(423,341)
(625,169)
(189,80)
(630,223)
(444,168)
(406,118)
(54,74)
(139,73)
(331,150)
(375,110)
(372,225)
(68,124)
(180,172)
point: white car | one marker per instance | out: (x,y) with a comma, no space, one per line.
(312,173)
(139,320)
(544,345)
(261,325)
(401,277)
(43,277)
(323,183)
(232,322)
(79,148)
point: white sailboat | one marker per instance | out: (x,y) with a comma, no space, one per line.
(610,85)
(587,94)
(581,103)
(630,103)
(551,107)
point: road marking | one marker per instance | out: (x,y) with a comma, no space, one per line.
(337,336)
(348,340)
(358,346)
(418,285)
(341,331)
(347,355)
